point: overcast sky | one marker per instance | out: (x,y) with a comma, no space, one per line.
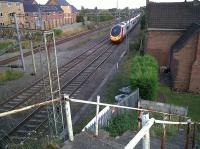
(105,4)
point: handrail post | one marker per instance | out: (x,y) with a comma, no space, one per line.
(194,136)
(146,138)
(69,118)
(97,117)
(163,134)
(187,134)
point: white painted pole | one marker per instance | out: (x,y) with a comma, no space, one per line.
(69,118)
(146,137)
(33,57)
(97,117)
(140,134)
(19,41)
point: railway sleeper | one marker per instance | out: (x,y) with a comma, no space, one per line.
(17,139)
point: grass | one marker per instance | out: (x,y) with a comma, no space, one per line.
(9,75)
(120,79)
(122,123)
(5,44)
(45,142)
(190,100)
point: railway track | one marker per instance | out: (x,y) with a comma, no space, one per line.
(60,41)
(93,58)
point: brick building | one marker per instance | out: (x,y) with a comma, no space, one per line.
(173,38)
(70,12)
(7,8)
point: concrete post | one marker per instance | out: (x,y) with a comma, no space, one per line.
(33,57)
(146,138)
(19,41)
(97,117)
(69,118)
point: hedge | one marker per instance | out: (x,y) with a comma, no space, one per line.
(144,75)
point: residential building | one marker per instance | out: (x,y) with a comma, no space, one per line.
(70,12)
(7,8)
(173,38)
(43,16)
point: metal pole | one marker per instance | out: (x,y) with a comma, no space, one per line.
(69,118)
(19,41)
(55,52)
(194,136)
(146,138)
(97,117)
(187,135)
(50,80)
(33,56)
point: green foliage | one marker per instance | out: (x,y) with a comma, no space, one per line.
(121,123)
(144,75)
(45,142)
(58,32)
(79,18)
(6,44)
(9,75)
(90,26)
(143,22)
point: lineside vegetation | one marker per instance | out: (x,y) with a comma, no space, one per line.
(144,75)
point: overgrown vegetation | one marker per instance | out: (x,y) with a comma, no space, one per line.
(58,32)
(42,143)
(190,100)
(6,44)
(121,123)
(143,22)
(144,75)
(9,75)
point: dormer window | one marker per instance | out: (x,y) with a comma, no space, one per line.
(9,4)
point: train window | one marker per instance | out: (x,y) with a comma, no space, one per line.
(116,30)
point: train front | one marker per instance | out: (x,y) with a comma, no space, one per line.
(115,34)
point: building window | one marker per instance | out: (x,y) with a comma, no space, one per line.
(17,3)
(11,14)
(1,24)
(9,4)
(48,13)
(26,14)
(1,14)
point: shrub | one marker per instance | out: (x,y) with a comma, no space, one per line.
(58,32)
(121,123)
(144,75)
(9,75)
(143,22)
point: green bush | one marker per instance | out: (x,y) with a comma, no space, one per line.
(58,32)
(9,75)
(143,22)
(121,123)
(144,75)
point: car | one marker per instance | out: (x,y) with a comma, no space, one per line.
(125,90)
(120,97)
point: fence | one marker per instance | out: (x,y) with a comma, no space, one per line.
(142,134)
(108,112)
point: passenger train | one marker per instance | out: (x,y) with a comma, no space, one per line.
(119,31)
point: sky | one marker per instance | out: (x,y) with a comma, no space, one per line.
(105,4)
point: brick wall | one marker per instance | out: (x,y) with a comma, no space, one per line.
(195,74)
(185,68)
(185,58)
(159,43)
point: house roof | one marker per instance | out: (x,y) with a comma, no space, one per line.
(11,0)
(58,2)
(43,8)
(74,10)
(177,15)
